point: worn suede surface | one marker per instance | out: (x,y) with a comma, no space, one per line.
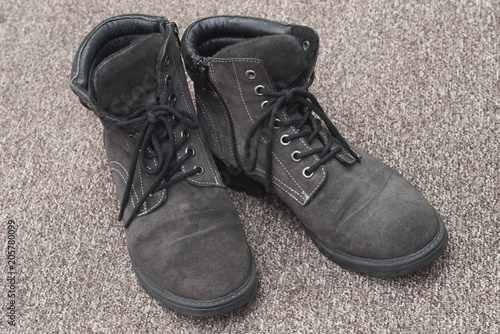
(123,81)
(219,138)
(365,209)
(187,239)
(127,79)
(193,246)
(273,51)
(369,210)
(244,106)
(413,83)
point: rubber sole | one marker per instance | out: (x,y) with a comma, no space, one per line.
(200,308)
(390,267)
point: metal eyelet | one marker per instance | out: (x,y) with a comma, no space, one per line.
(282,140)
(258,90)
(185,134)
(306,174)
(201,170)
(172,98)
(263,104)
(167,61)
(277,124)
(190,149)
(151,195)
(251,74)
(131,135)
(294,156)
(168,80)
(306,45)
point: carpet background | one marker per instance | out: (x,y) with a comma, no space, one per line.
(414,83)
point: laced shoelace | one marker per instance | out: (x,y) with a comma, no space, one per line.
(152,127)
(293,100)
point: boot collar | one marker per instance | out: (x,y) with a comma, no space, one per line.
(205,37)
(89,52)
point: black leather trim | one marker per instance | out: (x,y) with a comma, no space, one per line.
(117,29)
(205,37)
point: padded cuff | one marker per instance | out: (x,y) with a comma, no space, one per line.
(109,30)
(205,37)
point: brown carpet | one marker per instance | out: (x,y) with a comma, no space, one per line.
(415,83)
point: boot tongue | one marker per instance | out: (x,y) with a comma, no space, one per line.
(128,79)
(281,55)
(283,58)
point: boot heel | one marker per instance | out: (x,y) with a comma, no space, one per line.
(235,179)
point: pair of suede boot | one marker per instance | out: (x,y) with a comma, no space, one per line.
(261,129)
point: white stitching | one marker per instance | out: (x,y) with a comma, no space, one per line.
(163,192)
(286,170)
(304,194)
(211,167)
(187,107)
(319,184)
(208,159)
(126,141)
(241,92)
(262,137)
(211,122)
(177,77)
(236,76)
(142,185)
(125,180)
(228,125)
(307,196)
(223,108)
(157,204)
(282,187)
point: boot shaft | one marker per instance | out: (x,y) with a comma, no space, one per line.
(233,61)
(129,71)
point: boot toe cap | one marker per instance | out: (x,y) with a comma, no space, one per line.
(397,222)
(197,261)
(395,232)
(205,265)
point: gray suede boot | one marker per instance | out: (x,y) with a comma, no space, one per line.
(184,236)
(267,131)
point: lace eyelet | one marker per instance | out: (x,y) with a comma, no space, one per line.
(131,135)
(277,124)
(282,140)
(258,90)
(172,99)
(306,174)
(201,170)
(263,104)
(251,74)
(168,80)
(152,195)
(190,149)
(167,61)
(185,134)
(306,45)
(294,156)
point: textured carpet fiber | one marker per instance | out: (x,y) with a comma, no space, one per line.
(417,84)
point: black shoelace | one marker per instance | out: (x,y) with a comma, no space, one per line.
(153,130)
(293,100)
